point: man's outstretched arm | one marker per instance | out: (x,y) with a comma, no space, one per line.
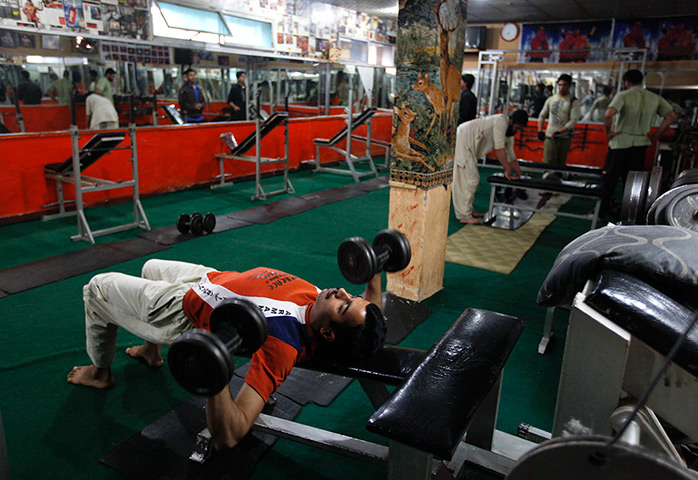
(229,420)
(373,291)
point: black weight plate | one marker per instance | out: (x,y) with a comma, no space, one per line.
(200,363)
(653,187)
(398,247)
(183,223)
(356,259)
(686,177)
(244,319)
(197,224)
(659,207)
(633,203)
(209,222)
(683,209)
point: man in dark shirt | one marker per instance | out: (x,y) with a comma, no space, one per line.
(236,98)
(468,102)
(191,98)
(539,99)
(27,91)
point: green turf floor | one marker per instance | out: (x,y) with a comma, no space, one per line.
(59,431)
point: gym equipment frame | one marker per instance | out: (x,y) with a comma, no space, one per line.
(70,172)
(352,123)
(261,130)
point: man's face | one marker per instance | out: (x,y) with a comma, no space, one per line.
(242,78)
(514,128)
(110,76)
(335,305)
(563,87)
(191,77)
(462,85)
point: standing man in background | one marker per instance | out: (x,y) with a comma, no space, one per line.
(61,90)
(27,91)
(104,85)
(468,101)
(636,108)
(94,77)
(539,99)
(191,98)
(236,98)
(597,111)
(563,110)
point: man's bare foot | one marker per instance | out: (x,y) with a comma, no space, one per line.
(471,221)
(91,376)
(148,352)
(477,214)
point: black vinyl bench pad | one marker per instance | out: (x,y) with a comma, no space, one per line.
(433,408)
(572,188)
(650,315)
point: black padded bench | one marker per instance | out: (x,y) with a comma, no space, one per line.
(535,167)
(576,189)
(438,396)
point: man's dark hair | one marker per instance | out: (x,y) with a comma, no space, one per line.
(66,73)
(469,80)
(93,73)
(25,74)
(541,86)
(239,74)
(520,117)
(356,343)
(109,70)
(607,90)
(565,77)
(633,77)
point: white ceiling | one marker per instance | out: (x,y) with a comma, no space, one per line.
(499,11)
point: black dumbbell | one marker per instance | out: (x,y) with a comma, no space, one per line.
(202,361)
(359,262)
(196,222)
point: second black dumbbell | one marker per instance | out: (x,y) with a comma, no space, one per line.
(202,361)
(359,262)
(197,223)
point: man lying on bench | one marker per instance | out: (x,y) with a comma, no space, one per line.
(171,298)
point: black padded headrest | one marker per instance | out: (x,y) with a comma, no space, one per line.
(647,313)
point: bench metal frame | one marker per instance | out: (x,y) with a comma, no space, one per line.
(84,184)
(259,161)
(595,197)
(349,157)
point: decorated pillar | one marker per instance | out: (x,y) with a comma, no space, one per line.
(429,58)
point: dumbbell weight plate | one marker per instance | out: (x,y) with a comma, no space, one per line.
(683,209)
(242,319)
(634,197)
(200,363)
(183,222)
(357,260)
(657,213)
(197,224)
(209,222)
(398,246)
(686,177)
(653,188)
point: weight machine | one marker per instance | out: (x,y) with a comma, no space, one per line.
(71,172)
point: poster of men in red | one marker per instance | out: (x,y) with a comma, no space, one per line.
(664,38)
(578,42)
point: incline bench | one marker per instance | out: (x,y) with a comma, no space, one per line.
(71,171)
(576,189)
(441,394)
(238,150)
(349,158)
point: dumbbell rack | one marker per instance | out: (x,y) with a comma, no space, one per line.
(84,184)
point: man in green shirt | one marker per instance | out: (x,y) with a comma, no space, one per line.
(635,108)
(563,110)
(61,89)
(104,85)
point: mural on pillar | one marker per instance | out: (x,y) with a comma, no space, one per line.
(430,42)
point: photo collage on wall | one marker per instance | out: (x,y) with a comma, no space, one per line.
(130,52)
(119,18)
(673,38)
